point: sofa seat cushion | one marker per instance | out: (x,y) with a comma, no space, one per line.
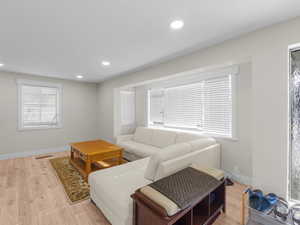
(139,149)
(115,185)
(165,154)
(143,135)
(130,156)
(163,138)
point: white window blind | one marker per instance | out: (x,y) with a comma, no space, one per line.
(184,106)
(156,106)
(218,106)
(39,106)
(206,105)
(127,107)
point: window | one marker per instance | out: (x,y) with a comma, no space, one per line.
(127,108)
(39,105)
(184,106)
(156,106)
(218,106)
(294,86)
(205,105)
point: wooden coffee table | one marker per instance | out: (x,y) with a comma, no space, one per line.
(98,152)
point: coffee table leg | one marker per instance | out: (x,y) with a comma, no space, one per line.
(72,154)
(88,168)
(121,158)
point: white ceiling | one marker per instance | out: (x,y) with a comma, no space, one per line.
(64,38)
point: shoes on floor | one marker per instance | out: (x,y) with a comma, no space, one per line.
(282,210)
(261,202)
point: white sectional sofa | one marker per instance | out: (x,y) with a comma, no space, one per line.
(110,189)
(148,141)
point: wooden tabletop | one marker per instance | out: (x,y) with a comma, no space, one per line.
(95,146)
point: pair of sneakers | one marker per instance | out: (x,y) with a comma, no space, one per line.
(272,204)
(261,202)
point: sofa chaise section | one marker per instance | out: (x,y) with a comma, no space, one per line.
(111,188)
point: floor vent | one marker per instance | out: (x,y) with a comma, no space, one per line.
(44,157)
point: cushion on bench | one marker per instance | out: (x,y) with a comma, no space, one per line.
(170,207)
(216,173)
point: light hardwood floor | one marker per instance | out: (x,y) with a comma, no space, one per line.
(30,194)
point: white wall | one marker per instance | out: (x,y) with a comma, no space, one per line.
(79,116)
(267,49)
(237,155)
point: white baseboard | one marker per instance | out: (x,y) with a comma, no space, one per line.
(239,178)
(33,153)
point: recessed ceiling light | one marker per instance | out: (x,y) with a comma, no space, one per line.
(1,64)
(176,24)
(105,63)
(79,76)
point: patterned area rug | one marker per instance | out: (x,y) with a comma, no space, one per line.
(75,186)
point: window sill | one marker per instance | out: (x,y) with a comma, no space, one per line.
(194,131)
(39,128)
(233,139)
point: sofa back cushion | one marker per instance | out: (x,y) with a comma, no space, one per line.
(167,153)
(163,138)
(201,143)
(143,135)
(186,137)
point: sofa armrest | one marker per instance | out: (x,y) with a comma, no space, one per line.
(207,157)
(122,138)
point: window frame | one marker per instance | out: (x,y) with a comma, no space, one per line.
(149,107)
(132,93)
(291,49)
(188,78)
(20,84)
